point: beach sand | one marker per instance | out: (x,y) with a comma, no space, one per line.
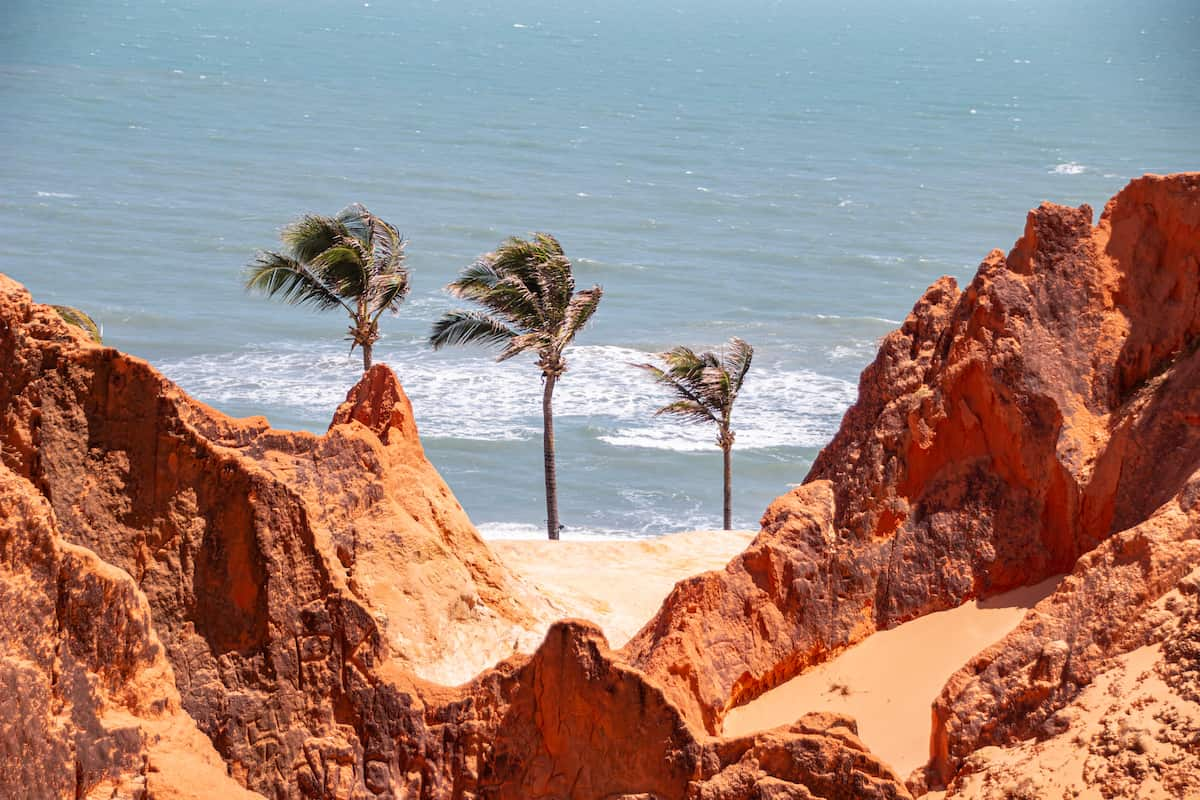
(889,681)
(618,585)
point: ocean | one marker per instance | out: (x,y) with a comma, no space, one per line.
(791,173)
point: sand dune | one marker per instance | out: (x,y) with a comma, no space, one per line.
(888,681)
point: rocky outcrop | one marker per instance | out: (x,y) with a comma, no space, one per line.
(90,705)
(573,721)
(1003,431)
(280,568)
(1129,730)
(1115,601)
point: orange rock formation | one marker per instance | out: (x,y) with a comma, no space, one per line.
(312,592)
(999,434)
(90,704)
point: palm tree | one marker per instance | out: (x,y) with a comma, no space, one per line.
(531,304)
(705,386)
(354,261)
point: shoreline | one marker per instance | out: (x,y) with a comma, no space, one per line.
(619,584)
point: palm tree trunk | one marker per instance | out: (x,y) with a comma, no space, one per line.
(728,452)
(362,332)
(548,451)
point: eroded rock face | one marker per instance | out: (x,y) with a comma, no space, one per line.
(576,722)
(90,705)
(1129,729)
(1111,604)
(280,567)
(1000,433)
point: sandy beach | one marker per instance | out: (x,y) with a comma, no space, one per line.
(889,681)
(617,584)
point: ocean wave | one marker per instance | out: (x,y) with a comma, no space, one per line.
(472,397)
(857,352)
(58,195)
(647,516)
(494,531)
(1068,168)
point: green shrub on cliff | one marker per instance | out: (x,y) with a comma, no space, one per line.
(73,316)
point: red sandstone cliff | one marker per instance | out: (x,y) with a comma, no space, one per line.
(1137,591)
(1001,432)
(90,707)
(301,584)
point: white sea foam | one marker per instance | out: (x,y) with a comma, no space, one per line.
(59,195)
(1069,168)
(520,530)
(859,352)
(473,397)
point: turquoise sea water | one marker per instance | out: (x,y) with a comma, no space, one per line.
(792,173)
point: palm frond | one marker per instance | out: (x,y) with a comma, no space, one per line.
(523,343)
(578,312)
(357,223)
(689,410)
(311,235)
(388,291)
(736,362)
(533,264)
(527,287)
(513,297)
(342,269)
(556,266)
(690,401)
(715,387)
(277,274)
(685,365)
(490,283)
(480,276)
(705,384)
(465,327)
(526,263)
(387,248)
(554,275)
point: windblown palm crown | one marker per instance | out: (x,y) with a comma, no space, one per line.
(354,261)
(527,291)
(705,386)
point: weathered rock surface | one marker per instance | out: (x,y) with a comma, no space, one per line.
(279,567)
(1001,432)
(1109,605)
(89,699)
(1128,727)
